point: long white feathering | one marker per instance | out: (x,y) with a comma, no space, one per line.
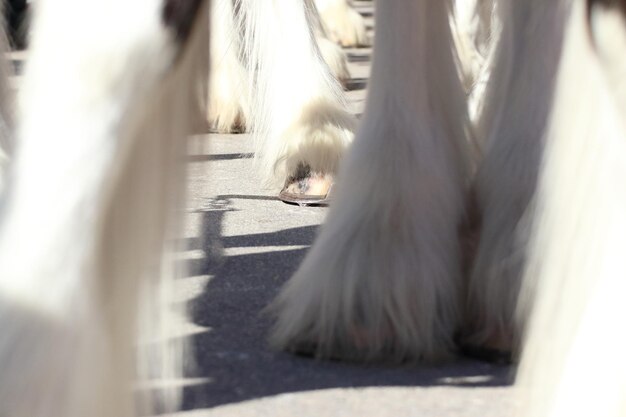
(383,279)
(90,206)
(514,124)
(573,362)
(299,112)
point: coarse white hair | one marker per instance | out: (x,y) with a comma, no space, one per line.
(514,123)
(109,95)
(231,90)
(299,112)
(229,98)
(383,279)
(573,361)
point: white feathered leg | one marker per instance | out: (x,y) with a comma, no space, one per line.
(300,116)
(229,101)
(518,103)
(343,23)
(383,278)
(89,204)
(574,363)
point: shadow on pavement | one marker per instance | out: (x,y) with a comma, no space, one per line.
(356,84)
(219,157)
(233,354)
(365,57)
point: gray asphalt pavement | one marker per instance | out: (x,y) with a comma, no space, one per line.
(241,245)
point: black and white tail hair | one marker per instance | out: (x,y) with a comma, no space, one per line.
(574,363)
(108,97)
(299,112)
(383,278)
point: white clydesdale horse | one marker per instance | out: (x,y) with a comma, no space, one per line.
(546,201)
(91,197)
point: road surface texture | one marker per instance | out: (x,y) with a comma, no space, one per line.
(241,245)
